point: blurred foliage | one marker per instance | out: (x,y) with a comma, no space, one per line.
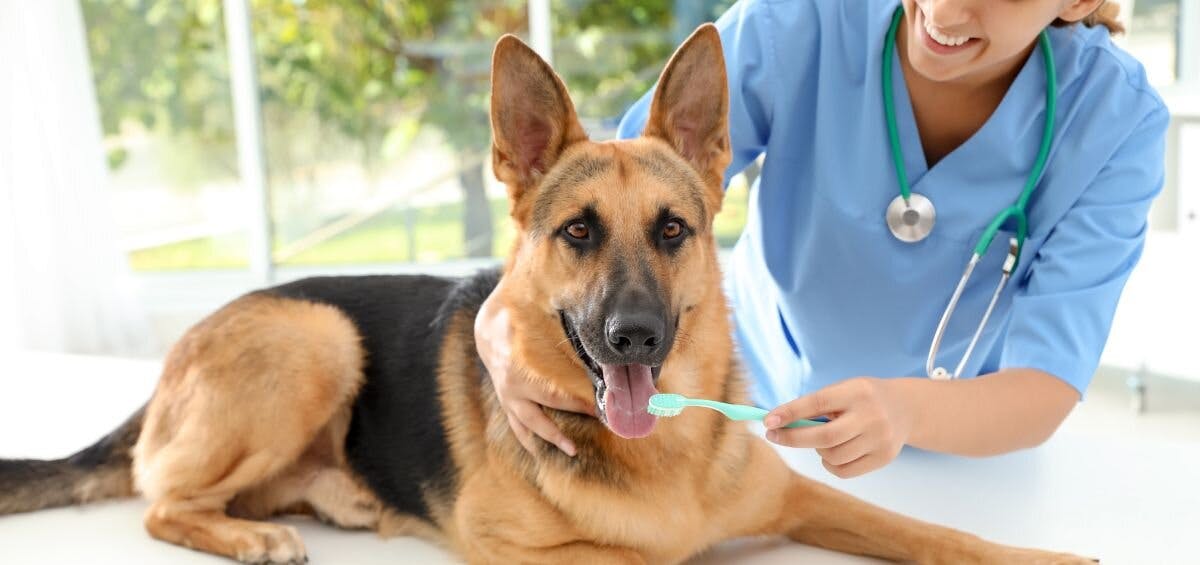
(368,68)
(611,52)
(357,81)
(162,65)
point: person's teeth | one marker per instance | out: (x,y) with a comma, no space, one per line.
(943,39)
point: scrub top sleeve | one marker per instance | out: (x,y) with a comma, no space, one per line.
(1061,318)
(750,63)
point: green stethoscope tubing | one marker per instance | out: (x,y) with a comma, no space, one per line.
(1017,210)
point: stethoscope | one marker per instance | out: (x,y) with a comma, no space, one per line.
(910,216)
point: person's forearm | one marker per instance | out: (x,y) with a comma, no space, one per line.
(992,414)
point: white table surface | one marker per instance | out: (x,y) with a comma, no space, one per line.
(1122,501)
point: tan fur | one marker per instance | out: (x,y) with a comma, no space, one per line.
(252,411)
(250,414)
(698,479)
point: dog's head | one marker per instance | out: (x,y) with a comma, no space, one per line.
(614,260)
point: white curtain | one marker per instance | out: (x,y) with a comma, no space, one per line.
(64,286)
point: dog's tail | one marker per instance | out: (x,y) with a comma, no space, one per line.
(98,472)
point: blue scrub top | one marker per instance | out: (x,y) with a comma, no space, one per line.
(820,289)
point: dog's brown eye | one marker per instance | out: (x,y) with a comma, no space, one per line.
(672,230)
(578,230)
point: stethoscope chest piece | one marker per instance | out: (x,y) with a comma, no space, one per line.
(910,216)
(911,220)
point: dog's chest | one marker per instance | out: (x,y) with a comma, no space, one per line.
(655,514)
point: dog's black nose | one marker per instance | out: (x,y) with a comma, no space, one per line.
(635,334)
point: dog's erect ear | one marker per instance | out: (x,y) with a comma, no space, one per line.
(533,119)
(691,106)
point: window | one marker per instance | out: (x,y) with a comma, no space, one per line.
(161,76)
(376,126)
(374,120)
(1154,37)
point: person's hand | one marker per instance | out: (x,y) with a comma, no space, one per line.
(869,424)
(521,400)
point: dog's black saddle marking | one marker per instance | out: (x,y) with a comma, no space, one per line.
(396,441)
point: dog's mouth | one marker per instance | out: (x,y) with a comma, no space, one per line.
(623,391)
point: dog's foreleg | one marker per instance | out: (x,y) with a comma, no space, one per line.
(816,514)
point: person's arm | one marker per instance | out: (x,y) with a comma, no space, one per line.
(522,401)
(1011,409)
(1051,347)
(874,418)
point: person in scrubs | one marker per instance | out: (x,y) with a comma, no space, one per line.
(834,312)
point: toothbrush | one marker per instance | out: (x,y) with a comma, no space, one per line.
(673,405)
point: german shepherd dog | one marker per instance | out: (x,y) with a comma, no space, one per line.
(362,400)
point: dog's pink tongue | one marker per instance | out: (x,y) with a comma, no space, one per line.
(627,394)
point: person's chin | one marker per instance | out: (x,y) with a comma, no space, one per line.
(937,68)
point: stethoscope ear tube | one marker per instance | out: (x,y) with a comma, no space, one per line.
(910,216)
(940,373)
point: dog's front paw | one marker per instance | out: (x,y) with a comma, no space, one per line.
(273,544)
